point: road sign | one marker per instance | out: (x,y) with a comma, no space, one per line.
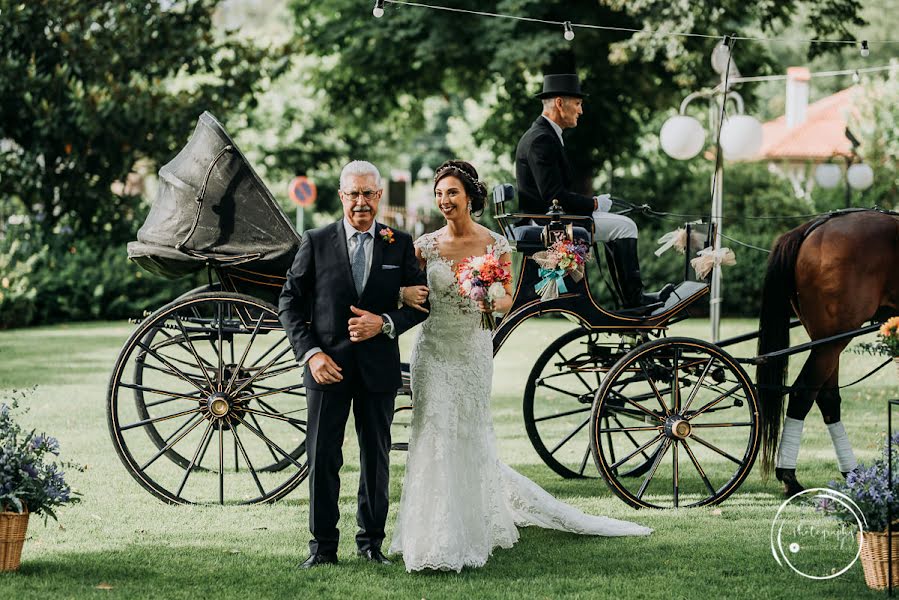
(302,191)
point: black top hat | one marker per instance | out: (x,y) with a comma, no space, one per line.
(561,85)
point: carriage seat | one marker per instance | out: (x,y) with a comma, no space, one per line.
(529,238)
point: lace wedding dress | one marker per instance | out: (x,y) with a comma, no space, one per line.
(459,502)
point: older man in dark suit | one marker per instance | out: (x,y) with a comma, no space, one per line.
(543,174)
(339,309)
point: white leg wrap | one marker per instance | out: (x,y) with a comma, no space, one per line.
(841,445)
(790,437)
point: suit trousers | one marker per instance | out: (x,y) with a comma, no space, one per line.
(327,417)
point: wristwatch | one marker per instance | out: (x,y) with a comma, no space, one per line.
(387,327)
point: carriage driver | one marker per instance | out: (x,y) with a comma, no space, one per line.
(543,173)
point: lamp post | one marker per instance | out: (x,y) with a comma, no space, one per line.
(738,137)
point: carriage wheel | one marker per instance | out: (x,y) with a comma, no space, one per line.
(689,406)
(220,389)
(560,392)
(401,428)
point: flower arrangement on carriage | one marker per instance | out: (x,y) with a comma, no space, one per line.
(564,258)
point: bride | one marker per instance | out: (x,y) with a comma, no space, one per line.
(459,502)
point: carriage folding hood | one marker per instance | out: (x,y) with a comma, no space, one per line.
(212,207)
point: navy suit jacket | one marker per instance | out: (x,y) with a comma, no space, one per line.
(543,173)
(314,306)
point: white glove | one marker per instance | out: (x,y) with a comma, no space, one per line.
(603,202)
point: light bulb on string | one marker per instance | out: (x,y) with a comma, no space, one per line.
(378,10)
(569,32)
(865,51)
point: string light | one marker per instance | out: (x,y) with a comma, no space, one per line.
(653,33)
(569,32)
(378,10)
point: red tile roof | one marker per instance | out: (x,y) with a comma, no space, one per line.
(819,138)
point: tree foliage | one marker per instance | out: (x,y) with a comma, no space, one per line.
(89,88)
(376,71)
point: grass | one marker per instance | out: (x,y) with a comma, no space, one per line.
(122,540)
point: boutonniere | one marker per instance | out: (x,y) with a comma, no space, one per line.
(386,234)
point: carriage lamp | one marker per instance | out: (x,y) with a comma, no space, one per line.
(860,176)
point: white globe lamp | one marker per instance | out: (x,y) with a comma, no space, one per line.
(741,137)
(860,176)
(828,175)
(682,137)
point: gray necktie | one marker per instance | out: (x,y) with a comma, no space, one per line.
(358,262)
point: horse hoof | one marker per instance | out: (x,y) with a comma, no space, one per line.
(788,478)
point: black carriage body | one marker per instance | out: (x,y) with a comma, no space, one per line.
(213,210)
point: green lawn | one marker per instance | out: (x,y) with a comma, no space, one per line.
(122,537)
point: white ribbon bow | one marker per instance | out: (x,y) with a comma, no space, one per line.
(708,258)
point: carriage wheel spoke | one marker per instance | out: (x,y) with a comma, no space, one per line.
(246,351)
(220,326)
(287,391)
(272,410)
(708,425)
(655,389)
(171,339)
(272,445)
(636,452)
(272,391)
(627,434)
(569,436)
(716,449)
(169,445)
(172,395)
(560,390)
(699,469)
(676,478)
(625,429)
(563,414)
(260,372)
(297,423)
(238,444)
(578,375)
(193,351)
(259,426)
(221,464)
(193,461)
(174,369)
(635,405)
(726,394)
(267,352)
(158,419)
(660,454)
(194,376)
(584,460)
(698,384)
(675,383)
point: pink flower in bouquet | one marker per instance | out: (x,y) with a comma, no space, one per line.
(483,278)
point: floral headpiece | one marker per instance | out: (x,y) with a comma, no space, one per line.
(446,168)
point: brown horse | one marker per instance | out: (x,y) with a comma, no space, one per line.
(836,273)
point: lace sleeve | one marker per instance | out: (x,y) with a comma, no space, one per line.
(425,243)
(500,245)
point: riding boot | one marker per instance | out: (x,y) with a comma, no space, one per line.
(627,266)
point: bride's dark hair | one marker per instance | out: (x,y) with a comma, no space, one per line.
(468,175)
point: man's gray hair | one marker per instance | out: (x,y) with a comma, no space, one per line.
(359,168)
(549,102)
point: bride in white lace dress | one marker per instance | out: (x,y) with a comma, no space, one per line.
(459,502)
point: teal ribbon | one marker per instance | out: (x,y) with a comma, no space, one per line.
(550,274)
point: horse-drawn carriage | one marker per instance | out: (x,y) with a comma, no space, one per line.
(206,401)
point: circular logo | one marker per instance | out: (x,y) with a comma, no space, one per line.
(808,540)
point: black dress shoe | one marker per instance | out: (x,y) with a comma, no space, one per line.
(317,559)
(374,555)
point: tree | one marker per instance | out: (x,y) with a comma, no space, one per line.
(381,70)
(89,88)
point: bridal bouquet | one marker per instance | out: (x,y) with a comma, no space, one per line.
(562,258)
(483,278)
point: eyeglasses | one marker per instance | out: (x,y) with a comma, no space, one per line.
(367,194)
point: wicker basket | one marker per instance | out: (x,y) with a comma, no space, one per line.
(12,538)
(875,562)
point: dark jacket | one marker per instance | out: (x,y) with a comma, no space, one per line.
(314,306)
(543,173)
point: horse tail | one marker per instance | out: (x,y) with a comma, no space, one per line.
(774,334)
